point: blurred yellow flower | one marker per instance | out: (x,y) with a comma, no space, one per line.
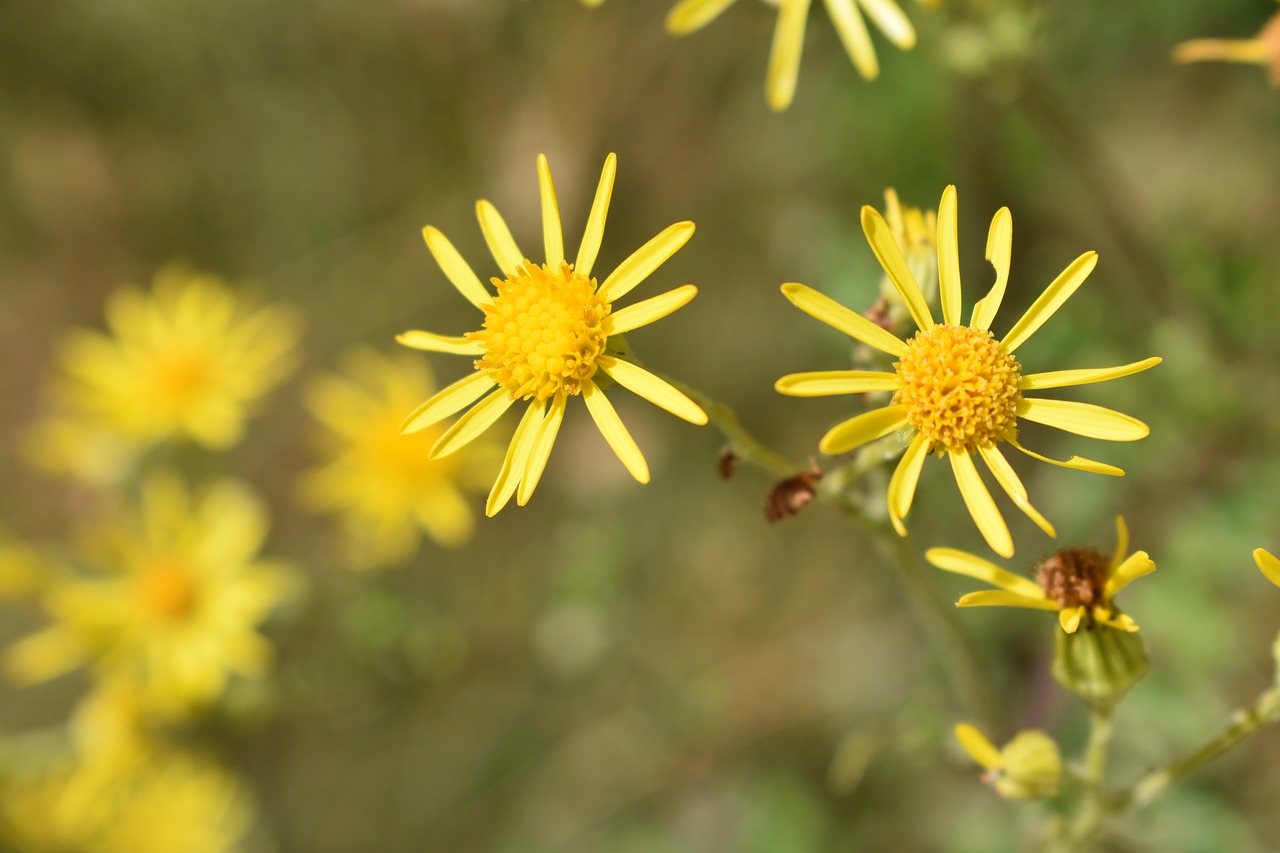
(548,334)
(913,230)
(188,360)
(1268,564)
(788,36)
(1079,583)
(1264,49)
(176,604)
(383,484)
(1029,766)
(172,802)
(958,391)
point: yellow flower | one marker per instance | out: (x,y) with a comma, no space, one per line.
(172,802)
(958,391)
(1076,582)
(914,231)
(1029,766)
(788,36)
(1262,50)
(1268,564)
(175,607)
(547,335)
(384,485)
(187,360)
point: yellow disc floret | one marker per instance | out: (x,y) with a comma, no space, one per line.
(543,331)
(959,387)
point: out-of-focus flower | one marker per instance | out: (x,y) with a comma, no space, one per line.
(1079,583)
(914,231)
(172,802)
(957,391)
(187,360)
(1029,766)
(1264,49)
(174,607)
(384,485)
(1268,564)
(549,334)
(788,36)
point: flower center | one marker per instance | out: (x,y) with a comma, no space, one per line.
(960,388)
(179,378)
(167,591)
(1075,576)
(543,331)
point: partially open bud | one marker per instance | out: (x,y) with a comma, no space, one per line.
(1029,766)
(1099,662)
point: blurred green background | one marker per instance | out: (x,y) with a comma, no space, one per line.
(656,668)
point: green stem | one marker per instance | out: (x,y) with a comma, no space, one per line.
(1094,809)
(1262,712)
(745,446)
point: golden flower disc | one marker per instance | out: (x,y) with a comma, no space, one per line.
(543,332)
(959,387)
(168,591)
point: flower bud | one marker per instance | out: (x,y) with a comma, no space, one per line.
(1029,766)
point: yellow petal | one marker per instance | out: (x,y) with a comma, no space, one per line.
(552,232)
(594,234)
(844,319)
(1268,564)
(866,427)
(478,418)
(1070,618)
(439,343)
(825,383)
(972,566)
(455,268)
(542,449)
(981,750)
(853,33)
(1051,300)
(902,485)
(447,401)
(784,56)
(1250,51)
(1003,598)
(949,257)
(498,236)
(649,310)
(689,15)
(42,656)
(981,507)
(892,22)
(886,250)
(1078,463)
(999,466)
(1065,378)
(653,388)
(645,260)
(999,251)
(1122,541)
(1083,419)
(1135,566)
(514,463)
(614,432)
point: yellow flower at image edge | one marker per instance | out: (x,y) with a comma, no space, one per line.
(1079,583)
(1029,766)
(547,333)
(383,485)
(788,36)
(175,609)
(186,360)
(957,390)
(1268,564)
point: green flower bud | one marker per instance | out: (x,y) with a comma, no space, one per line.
(1099,662)
(1028,767)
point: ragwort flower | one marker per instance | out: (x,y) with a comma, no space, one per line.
(176,605)
(188,360)
(788,35)
(548,333)
(957,390)
(1029,766)
(382,484)
(1079,583)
